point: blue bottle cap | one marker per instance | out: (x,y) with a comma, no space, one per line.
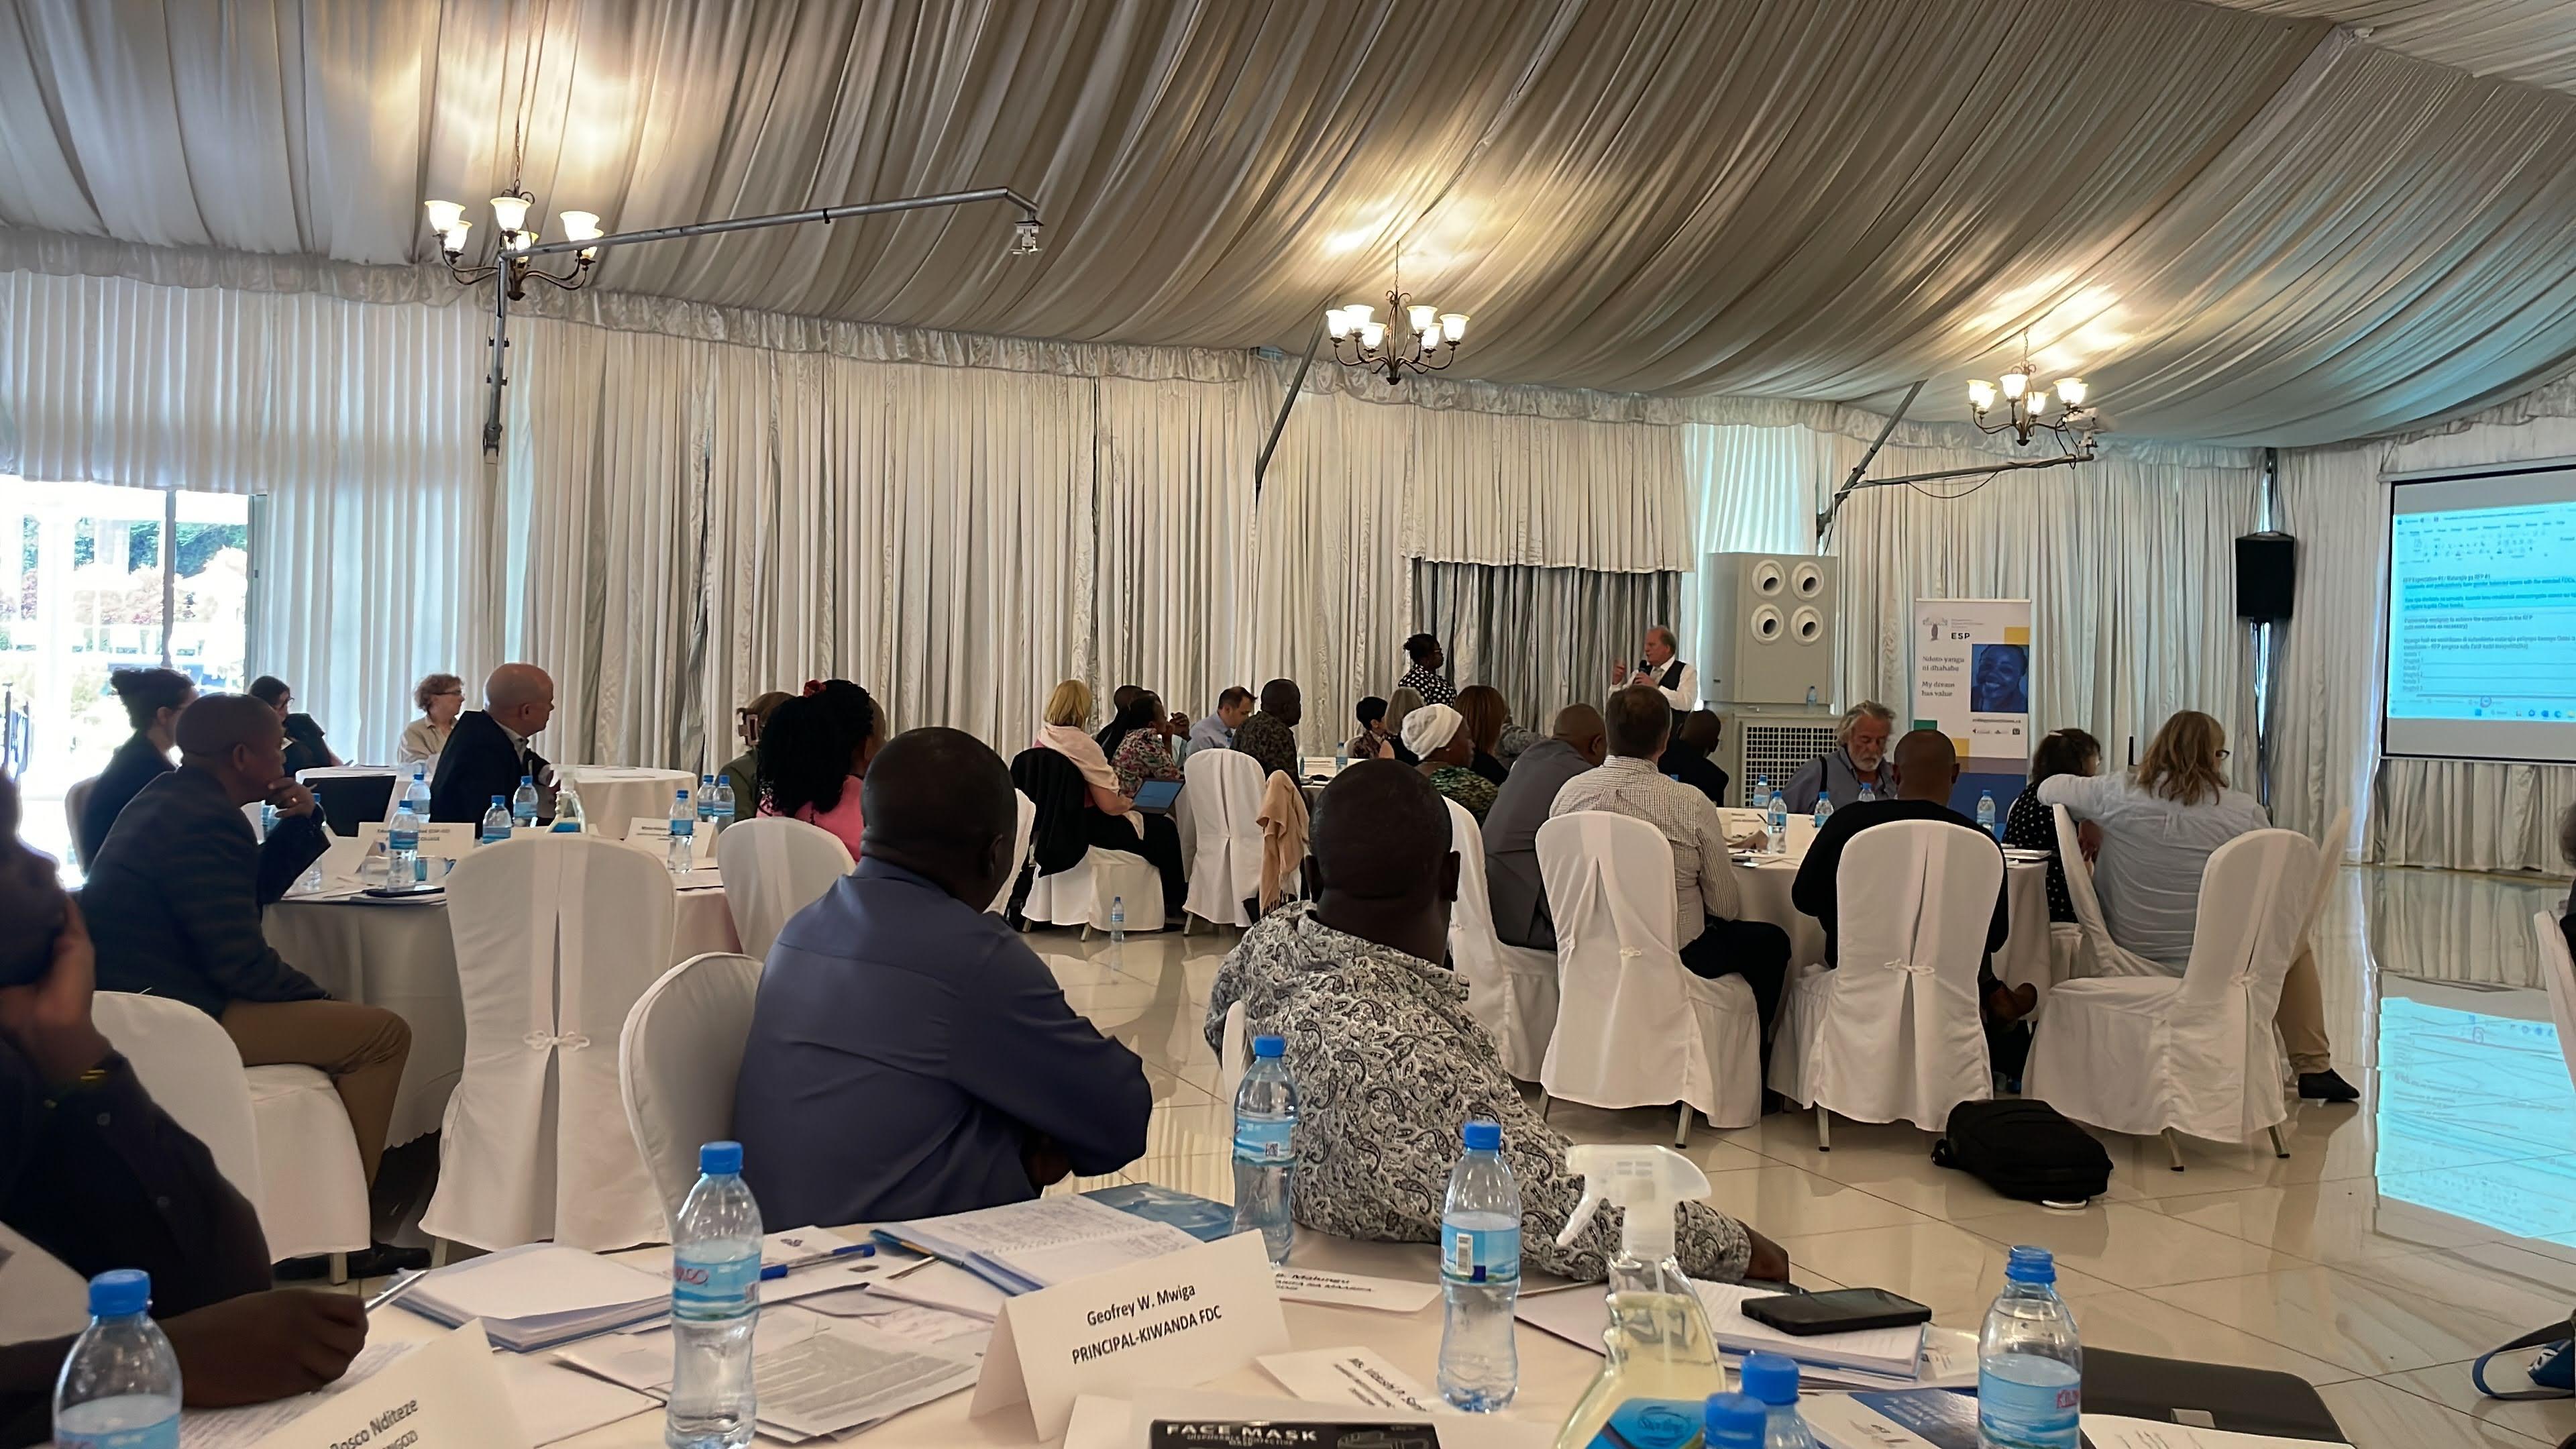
(119,1293)
(496,799)
(2030,1265)
(719,1159)
(1482,1136)
(527,779)
(706,779)
(1270,1046)
(1770,1377)
(1735,1421)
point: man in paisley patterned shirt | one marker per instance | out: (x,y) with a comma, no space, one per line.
(1390,1063)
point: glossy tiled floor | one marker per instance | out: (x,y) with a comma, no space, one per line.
(2402,1237)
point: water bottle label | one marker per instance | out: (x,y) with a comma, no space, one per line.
(402,840)
(1470,1255)
(164,1435)
(718,1283)
(684,827)
(2013,1414)
(1259,1141)
(1652,1424)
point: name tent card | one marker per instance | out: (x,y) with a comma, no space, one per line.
(446,1394)
(1179,1319)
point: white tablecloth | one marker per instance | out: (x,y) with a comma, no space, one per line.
(1764,888)
(615,796)
(401,957)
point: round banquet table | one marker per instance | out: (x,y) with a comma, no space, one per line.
(1764,889)
(616,796)
(401,957)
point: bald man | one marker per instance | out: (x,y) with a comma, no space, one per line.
(1389,1060)
(1519,809)
(909,1055)
(174,899)
(489,751)
(1927,766)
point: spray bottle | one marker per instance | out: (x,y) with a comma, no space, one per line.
(1662,1362)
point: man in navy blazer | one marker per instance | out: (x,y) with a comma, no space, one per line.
(489,750)
(909,1055)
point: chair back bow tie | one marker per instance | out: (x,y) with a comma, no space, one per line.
(541,1041)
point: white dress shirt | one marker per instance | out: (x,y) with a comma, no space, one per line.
(1684,695)
(2154,851)
(1703,883)
(1208,732)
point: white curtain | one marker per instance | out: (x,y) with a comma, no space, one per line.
(1545,637)
(1752,490)
(379,544)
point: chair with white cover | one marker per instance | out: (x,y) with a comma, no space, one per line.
(1084,893)
(774,867)
(557,935)
(2195,1054)
(2101,956)
(1224,791)
(1634,1027)
(1511,989)
(1234,1056)
(677,1060)
(2558,973)
(76,805)
(1028,815)
(39,1297)
(1894,1034)
(278,1134)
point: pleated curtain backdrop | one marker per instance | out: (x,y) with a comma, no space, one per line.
(1545,637)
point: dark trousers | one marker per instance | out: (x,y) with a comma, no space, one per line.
(1161,847)
(1755,950)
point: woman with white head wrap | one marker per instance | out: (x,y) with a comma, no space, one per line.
(1438,734)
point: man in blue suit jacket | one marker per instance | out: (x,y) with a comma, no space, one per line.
(909,1055)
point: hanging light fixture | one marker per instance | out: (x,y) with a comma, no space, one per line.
(1425,341)
(2026,409)
(509,255)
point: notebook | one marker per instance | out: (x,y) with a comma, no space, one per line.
(540,1295)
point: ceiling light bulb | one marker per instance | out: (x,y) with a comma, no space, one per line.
(1419,318)
(1359,313)
(1453,325)
(580,225)
(2014,382)
(1431,338)
(454,244)
(2072,390)
(511,212)
(444,215)
(2039,402)
(1981,394)
(1337,322)
(1372,333)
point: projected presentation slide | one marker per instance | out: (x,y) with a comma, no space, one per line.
(2481,626)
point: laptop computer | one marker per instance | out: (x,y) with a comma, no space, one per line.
(1155,797)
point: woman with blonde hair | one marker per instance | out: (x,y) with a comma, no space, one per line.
(1400,704)
(438,697)
(2159,824)
(1109,817)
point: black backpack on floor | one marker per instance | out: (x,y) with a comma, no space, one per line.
(2025,1150)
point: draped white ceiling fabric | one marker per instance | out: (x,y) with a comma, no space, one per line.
(2242,227)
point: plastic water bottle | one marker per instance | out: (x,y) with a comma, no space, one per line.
(496,822)
(416,794)
(523,804)
(682,850)
(715,1303)
(1986,812)
(1771,1380)
(706,798)
(1866,793)
(1824,810)
(568,819)
(1760,792)
(1480,1275)
(119,1386)
(1117,920)
(1779,824)
(402,848)
(2030,1366)
(719,804)
(1735,1421)
(1265,1147)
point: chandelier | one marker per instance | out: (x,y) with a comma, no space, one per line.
(2028,411)
(1428,340)
(511,256)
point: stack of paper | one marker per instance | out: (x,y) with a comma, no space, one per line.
(1026,1246)
(1891,1353)
(540,1295)
(817,1375)
(1202,1218)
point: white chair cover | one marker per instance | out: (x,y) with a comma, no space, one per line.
(39,1297)
(2329,869)
(1224,791)
(1894,1035)
(2558,973)
(278,1134)
(1634,1027)
(1082,894)
(1028,811)
(1511,989)
(2197,1054)
(1234,1058)
(774,867)
(556,937)
(76,805)
(2103,956)
(677,1061)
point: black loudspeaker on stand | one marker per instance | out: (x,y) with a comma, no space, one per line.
(2266,575)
